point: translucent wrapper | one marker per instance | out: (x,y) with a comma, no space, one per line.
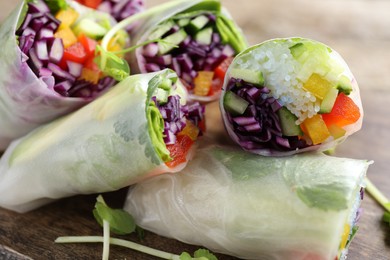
(286,96)
(25,100)
(237,203)
(191,53)
(104,146)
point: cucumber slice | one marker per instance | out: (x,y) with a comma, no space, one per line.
(161,30)
(297,50)
(183,22)
(172,40)
(250,76)
(287,122)
(328,101)
(90,28)
(344,85)
(234,104)
(204,36)
(198,23)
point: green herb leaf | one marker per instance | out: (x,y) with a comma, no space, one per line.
(185,256)
(120,221)
(111,64)
(326,197)
(204,254)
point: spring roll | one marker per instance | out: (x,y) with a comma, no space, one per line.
(292,95)
(255,207)
(141,127)
(200,41)
(47,63)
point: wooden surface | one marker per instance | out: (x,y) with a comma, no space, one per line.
(357,29)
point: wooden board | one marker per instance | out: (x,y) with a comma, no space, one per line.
(357,29)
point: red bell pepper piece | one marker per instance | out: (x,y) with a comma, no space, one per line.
(75,53)
(344,112)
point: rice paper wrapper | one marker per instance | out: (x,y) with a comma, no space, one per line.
(25,100)
(285,76)
(103,146)
(167,11)
(254,207)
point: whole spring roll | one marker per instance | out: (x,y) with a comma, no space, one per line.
(200,41)
(47,63)
(292,95)
(141,127)
(237,203)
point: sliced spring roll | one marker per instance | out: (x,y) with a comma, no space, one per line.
(292,95)
(237,203)
(47,63)
(200,38)
(141,127)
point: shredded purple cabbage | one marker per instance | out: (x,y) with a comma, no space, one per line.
(42,52)
(176,115)
(259,127)
(190,56)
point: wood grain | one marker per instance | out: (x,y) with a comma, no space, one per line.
(357,29)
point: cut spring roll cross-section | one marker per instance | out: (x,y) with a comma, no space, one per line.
(47,63)
(199,40)
(254,207)
(141,127)
(292,95)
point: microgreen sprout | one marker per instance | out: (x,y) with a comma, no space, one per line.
(120,222)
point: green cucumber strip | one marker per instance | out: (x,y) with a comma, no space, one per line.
(297,50)
(204,36)
(250,76)
(344,85)
(234,104)
(328,101)
(90,28)
(198,23)
(173,39)
(287,122)
(161,29)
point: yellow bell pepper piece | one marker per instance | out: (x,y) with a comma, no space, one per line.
(67,36)
(317,85)
(191,130)
(90,75)
(345,236)
(203,83)
(316,129)
(67,17)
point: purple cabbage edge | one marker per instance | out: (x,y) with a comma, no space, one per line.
(175,116)
(259,127)
(42,52)
(121,9)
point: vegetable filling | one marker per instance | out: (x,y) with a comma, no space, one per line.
(177,125)
(59,47)
(195,48)
(288,96)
